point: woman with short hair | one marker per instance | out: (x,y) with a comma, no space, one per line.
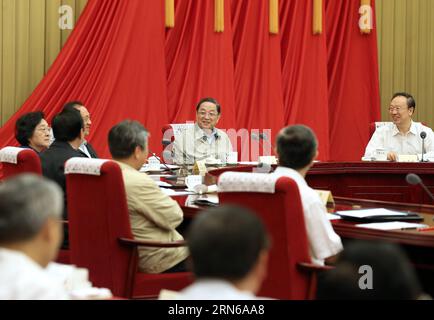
(32,131)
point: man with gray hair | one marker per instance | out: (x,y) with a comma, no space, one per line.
(30,237)
(153,215)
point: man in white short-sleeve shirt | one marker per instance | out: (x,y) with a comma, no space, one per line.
(403,135)
(30,236)
(297,148)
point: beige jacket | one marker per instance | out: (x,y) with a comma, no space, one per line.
(192,145)
(153,216)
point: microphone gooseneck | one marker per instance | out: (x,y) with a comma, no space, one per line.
(423,136)
(414,179)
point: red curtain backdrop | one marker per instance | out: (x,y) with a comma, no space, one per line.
(304,72)
(258,81)
(113,62)
(199,62)
(123,64)
(354,97)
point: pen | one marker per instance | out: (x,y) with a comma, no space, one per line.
(426,229)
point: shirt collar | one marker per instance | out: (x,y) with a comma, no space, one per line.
(293,174)
(199,133)
(412,130)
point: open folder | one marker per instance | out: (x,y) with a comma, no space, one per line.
(378,215)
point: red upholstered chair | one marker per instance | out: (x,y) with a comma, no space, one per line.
(170,132)
(277,202)
(100,236)
(16,161)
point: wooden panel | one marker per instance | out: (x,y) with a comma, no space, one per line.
(30,40)
(22,52)
(9,58)
(406,53)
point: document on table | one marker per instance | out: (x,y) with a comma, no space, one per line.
(173,193)
(332,216)
(365,213)
(394,225)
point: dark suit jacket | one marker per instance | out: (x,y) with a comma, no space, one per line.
(53,164)
(91,150)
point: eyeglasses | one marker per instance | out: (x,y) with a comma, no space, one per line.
(44,129)
(397,109)
(210,114)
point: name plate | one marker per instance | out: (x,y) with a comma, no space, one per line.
(199,168)
(268,159)
(407,158)
(326,197)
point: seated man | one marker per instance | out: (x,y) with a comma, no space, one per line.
(86,148)
(30,236)
(69,134)
(363,272)
(153,215)
(204,140)
(229,255)
(297,148)
(402,137)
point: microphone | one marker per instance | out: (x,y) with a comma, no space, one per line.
(414,179)
(423,136)
(262,136)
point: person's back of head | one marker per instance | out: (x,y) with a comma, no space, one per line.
(370,271)
(68,126)
(226,243)
(30,212)
(296,147)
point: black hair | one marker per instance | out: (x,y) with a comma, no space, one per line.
(26,125)
(226,242)
(296,146)
(67,125)
(72,104)
(125,137)
(392,275)
(212,100)
(411,103)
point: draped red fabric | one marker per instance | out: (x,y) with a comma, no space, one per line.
(122,63)
(114,63)
(354,97)
(258,81)
(199,62)
(304,72)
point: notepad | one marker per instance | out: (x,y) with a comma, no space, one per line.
(394,225)
(366,213)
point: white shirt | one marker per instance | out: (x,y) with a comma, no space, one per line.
(23,279)
(214,289)
(323,240)
(194,144)
(83,148)
(389,138)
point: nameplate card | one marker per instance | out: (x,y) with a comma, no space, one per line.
(199,168)
(326,197)
(268,160)
(407,158)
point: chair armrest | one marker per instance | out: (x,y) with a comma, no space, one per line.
(156,244)
(311,267)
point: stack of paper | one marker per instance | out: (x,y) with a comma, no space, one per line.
(394,225)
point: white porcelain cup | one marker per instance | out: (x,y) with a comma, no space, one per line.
(153,164)
(380,154)
(193,181)
(232,157)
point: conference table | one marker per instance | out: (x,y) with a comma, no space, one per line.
(358,185)
(418,245)
(383,181)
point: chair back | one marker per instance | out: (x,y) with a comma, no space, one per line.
(16,161)
(277,202)
(98,216)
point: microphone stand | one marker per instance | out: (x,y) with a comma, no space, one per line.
(423,136)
